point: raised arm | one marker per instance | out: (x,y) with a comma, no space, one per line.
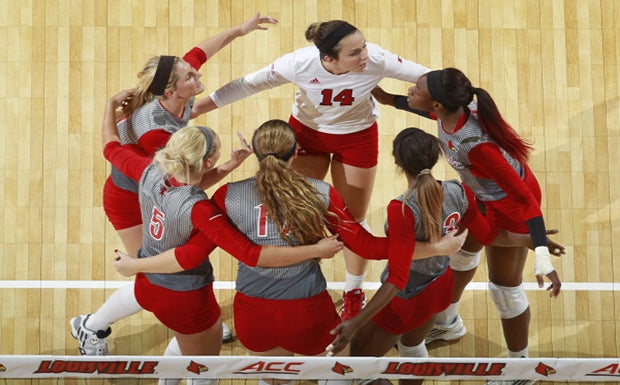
(215,43)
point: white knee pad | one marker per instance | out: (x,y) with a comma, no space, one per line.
(364,224)
(509,301)
(464,260)
(412,351)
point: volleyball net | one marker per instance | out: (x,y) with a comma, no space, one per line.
(310,368)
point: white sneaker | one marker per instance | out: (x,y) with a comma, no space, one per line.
(450,332)
(226,333)
(510,382)
(90,342)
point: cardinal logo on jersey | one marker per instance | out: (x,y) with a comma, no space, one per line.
(451,145)
(197,368)
(544,369)
(341,369)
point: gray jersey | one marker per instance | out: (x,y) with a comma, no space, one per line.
(166,215)
(424,271)
(457,146)
(302,280)
(150,116)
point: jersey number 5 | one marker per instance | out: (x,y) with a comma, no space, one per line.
(156,227)
(344,97)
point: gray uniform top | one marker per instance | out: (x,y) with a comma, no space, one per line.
(302,280)
(149,117)
(424,271)
(457,146)
(166,215)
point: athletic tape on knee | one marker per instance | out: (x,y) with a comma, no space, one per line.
(364,224)
(413,351)
(509,301)
(464,260)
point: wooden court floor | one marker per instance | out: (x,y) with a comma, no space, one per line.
(552,66)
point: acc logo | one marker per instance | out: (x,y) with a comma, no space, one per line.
(272,367)
(545,370)
(612,370)
(197,368)
(341,369)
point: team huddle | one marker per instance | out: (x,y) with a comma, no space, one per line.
(280,222)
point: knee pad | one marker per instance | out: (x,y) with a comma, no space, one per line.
(464,260)
(412,351)
(364,224)
(509,301)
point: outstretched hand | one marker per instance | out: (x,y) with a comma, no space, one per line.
(256,23)
(238,155)
(344,332)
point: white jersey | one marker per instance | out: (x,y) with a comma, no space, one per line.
(334,104)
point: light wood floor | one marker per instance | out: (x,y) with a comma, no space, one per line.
(553,67)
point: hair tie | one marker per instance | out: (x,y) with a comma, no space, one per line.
(286,156)
(209,139)
(435,88)
(335,36)
(162,74)
(425,171)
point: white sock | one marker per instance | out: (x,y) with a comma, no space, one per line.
(172,349)
(520,354)
(448,315)
(353,281)
(412,351)
(121,304)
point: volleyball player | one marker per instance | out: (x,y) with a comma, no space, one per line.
(162,103)
(334,117)
(491,158)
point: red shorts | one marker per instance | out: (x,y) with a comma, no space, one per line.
(402,315)
(359,149)
(186,312)
(122,207)
(300,326)
(506,213)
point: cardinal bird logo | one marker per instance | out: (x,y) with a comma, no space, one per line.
(341,369)
(544,369)
(451,146)
(197,368)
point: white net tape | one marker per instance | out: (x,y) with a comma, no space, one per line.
(340,368)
